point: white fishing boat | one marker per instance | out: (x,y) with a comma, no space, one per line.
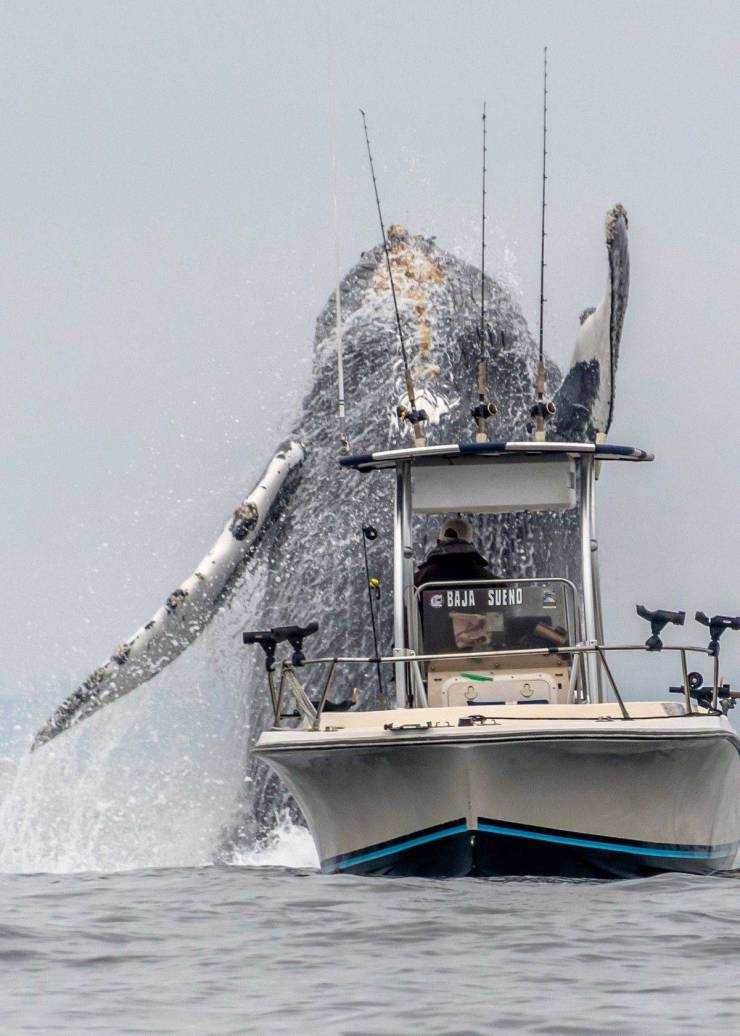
(508,748)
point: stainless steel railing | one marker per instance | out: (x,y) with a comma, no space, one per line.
(311,713)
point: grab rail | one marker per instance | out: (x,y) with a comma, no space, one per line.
(311,713)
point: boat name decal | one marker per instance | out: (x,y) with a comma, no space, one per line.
(497,597)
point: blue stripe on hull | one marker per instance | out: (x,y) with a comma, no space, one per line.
(497,848)
(607,846)
(399,847)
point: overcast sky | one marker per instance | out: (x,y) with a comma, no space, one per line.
(167,246)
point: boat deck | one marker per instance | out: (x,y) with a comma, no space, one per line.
(492,722)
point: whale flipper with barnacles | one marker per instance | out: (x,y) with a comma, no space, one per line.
(295,535)
(188,609)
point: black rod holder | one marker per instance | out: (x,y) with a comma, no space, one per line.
(658,620)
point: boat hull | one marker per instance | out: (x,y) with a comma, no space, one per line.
(502,850)
(566,804)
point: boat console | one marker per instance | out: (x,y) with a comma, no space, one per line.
(506,616)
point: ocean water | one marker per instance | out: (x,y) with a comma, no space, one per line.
(270,945)
(116,919)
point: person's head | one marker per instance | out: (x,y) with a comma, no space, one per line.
(455,530)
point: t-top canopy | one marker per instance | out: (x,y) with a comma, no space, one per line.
(389,458)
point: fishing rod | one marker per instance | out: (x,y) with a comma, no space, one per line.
(411,414)
(542,410)
(483,237)
(370,533)
(544,205)
(343,438)
(483,410)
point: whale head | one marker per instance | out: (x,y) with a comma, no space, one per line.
(438,297)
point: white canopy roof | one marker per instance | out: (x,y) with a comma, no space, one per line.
(535,450)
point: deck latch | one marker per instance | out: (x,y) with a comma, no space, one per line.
(477,720)
(396,727)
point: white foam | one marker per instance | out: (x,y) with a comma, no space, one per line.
(289,845)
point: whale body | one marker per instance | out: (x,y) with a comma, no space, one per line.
(296,550)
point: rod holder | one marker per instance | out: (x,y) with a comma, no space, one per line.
(717,626)
(658,620)
(268,640)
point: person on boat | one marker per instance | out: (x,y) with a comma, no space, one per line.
(454,558)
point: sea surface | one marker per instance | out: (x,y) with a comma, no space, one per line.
(270,945)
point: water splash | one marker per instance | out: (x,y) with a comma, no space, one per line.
(288,845)
(152,782)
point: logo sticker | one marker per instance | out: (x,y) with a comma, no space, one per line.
(437,600)
(549,600)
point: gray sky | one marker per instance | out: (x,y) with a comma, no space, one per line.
(167,246)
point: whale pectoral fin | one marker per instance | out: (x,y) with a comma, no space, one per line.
(585,399)
(188,609)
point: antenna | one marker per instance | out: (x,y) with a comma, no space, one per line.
(483,410)
(542,410)
(414,416)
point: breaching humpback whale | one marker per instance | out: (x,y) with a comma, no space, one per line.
(295,536)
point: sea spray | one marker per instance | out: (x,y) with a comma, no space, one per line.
(288,844)
(151,782)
